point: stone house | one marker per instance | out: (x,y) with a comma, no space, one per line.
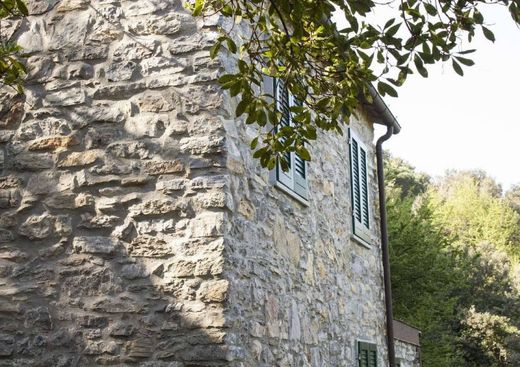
(137,230)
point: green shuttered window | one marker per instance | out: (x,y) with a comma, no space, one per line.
(295,178)
(367,354)
(360,200)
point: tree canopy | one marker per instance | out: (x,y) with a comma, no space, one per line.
(332,69)
(454,246)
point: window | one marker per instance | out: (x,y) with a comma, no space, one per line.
(359,178)
(367,354)
(295,178)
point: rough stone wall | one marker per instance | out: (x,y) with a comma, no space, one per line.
(408,354)
(112,189)
(302,292)
(135,227)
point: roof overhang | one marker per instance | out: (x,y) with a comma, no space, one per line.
(379,111)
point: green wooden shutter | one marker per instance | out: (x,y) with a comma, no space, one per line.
(356,190)
(364,186)
(359,187)
(367,354)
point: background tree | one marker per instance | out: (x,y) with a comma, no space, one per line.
(426,278)
(332,69)
(455,265)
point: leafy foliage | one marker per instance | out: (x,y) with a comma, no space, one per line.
(455,271)
(12,69)
(426,278)
(469,206)
(332,69)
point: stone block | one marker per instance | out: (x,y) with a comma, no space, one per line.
(159,207)
(129,149)
(206,225)
(149,246)
(120,71)
(26,161)
(53,143)
(95,245)
(7,345)
(9,198)
(38,227)
(213,291)
(79,159)
(164,167)
(38,317)
(133,271)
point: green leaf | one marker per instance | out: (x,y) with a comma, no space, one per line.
(464,61)
(197,8)
(420,66)
(430,9)
(303,153)
(488,34)
(232,47)
(242,106)
(215,49)
(254,143)
(22,7)
(457,68)
(385,89)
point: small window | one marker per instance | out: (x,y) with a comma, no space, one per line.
(295,178)
(360,198)
(367,354)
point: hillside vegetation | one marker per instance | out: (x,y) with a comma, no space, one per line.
(455,246)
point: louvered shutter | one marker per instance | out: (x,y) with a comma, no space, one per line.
(300,169)
(283,106)
(367,354)
(360,198)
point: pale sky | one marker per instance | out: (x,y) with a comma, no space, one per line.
(470,122)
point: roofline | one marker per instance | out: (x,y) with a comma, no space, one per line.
(379,110)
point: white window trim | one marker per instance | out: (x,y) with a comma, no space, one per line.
(362,234)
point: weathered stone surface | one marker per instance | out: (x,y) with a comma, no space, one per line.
(95,245)
(69,201)
(213,291)
(164,167)
(129,149)
(52,143)
(135,229)
(149,246)
(158,207)
(207,225)
(36,7)
(32,161)
(6,235)
(6,345)
(76,159)
(43,226)
(171,186)
(98,221)
(9,198)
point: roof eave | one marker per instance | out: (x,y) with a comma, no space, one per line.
(379,111)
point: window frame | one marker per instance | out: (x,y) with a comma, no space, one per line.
(362,220)
(369,347)
(290,182)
